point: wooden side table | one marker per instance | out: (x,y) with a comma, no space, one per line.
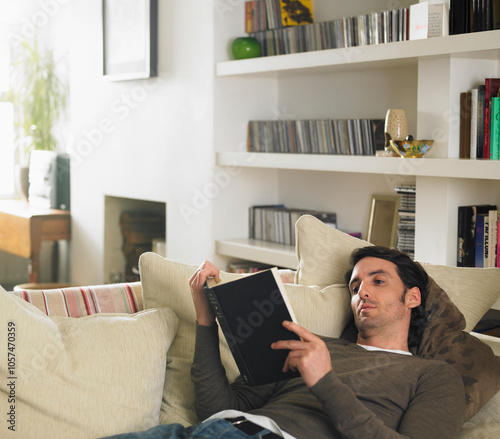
(23,229)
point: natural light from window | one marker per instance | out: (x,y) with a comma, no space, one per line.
(6,148)
(6,121)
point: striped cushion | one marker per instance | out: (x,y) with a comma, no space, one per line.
(83,301)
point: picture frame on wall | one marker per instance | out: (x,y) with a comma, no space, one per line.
(129,39)
(384,219)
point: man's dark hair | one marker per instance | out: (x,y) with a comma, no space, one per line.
(412,275)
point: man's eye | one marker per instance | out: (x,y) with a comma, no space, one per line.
(355,290)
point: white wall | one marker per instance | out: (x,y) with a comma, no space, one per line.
(146,139)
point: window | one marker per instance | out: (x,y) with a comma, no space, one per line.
(6,120)
(6,148)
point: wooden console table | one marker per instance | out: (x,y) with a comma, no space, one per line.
(23,228)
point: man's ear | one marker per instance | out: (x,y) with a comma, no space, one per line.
(413,298)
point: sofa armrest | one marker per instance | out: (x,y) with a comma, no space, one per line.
(86,300)
(137,287)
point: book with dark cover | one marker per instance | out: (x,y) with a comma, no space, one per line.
(459,16)
(465,124)
(466,240)
(250,311)
(481,240)
(480,121)
(378,134)
(495,14)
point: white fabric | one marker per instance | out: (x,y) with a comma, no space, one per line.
(374,348)
(263,421)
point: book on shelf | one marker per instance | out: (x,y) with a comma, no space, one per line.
(255,16)
(428,20)
(495,15)
(491,89)
(479,129)
(498,241)
(275,14)
(493,238)
(482,236)
(250,311)
(481,91)
(465,124)
(341,136)
(364,29)
(468,16)
(296,12)
(495,128)
(474,98)
(276,223)
(467,230)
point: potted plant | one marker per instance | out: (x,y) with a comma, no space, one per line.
(39,97)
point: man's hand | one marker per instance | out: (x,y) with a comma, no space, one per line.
(204,313)
(309,355)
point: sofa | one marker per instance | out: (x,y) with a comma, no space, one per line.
(94,361)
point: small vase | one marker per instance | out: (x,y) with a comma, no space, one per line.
(245,47)
(396,126)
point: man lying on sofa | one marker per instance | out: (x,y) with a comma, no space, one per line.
(372,388)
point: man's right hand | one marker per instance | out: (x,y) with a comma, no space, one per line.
(204,313)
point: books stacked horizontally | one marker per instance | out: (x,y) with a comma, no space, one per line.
(276,223)
(480,121)
(339,136)
(406,226)
(474,16)
(478,236)
(275,14)
(373,28)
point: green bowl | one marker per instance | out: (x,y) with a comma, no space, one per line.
(411,148)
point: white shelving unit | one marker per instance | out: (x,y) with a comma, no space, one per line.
(428,167)
(425,77)
(259,251)
(391,55)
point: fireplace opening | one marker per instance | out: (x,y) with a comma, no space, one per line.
(132,227)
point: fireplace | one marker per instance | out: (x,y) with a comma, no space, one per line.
(131,227)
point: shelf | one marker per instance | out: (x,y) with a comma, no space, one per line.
(387,55)
(428,167)
(259,251)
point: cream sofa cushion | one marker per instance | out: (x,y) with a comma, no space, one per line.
(324,257)
(83,377)
(323,311)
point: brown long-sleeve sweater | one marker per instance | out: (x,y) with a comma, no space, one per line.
(368,394)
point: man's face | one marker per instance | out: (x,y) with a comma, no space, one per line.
(379,299)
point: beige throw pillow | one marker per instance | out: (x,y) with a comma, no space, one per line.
(323,311)
(83,377)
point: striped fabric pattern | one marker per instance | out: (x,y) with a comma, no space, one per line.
(83,301)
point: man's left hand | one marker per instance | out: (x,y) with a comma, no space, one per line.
(309,355)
